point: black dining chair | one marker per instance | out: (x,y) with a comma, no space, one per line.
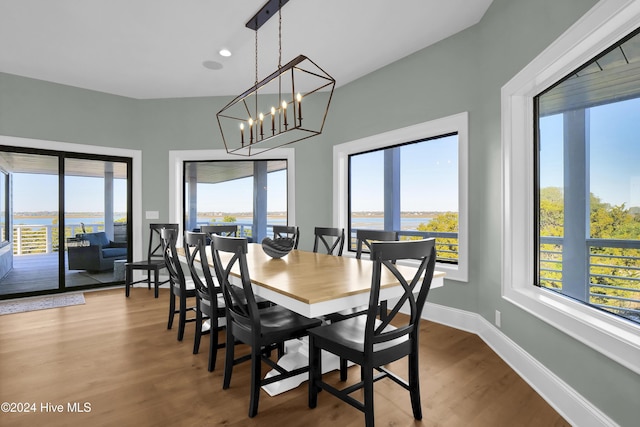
(181,287)
(209,299)
(332,240)
(220,230)
(263,329)
(291,232)
(364,239)
(154,262)
(372,342)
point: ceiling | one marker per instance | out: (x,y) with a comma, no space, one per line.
(48,165)
(148,49)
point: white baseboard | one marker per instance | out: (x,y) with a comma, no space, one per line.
(570,404)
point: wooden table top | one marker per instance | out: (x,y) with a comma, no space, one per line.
(315,280)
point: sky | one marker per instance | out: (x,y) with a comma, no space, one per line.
(39,192)
(428,180)
(614,153)
(237,195)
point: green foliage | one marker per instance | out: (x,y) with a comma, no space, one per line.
(229,218)
(447,223)
(617,269)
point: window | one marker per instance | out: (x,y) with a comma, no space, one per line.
(601,28)
(588,183)
(401,199)
(412,180)
(205,185)
(4,208)
(251,194)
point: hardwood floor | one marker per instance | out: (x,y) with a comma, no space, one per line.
(116,354)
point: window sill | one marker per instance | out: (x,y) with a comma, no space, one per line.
(614,337)
(452,272)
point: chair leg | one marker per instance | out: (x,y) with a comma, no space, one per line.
(156,278)
(414,385)
(198,329)
(213,342)
(315,372)
(182,317)
(280,350)
(256,371)
(228,358)
(172,308)
(367,378)
(128,278)
(343,369)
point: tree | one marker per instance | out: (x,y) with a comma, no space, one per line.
(446,248)
(616,269)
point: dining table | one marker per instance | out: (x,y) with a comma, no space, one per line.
(314,285)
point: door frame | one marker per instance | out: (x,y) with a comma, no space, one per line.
(136,174)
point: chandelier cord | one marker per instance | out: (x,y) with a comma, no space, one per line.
(280,34)
(256,57)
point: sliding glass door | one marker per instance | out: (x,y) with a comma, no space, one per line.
(68,219)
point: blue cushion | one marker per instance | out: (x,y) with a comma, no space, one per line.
(113,252)
(96,239)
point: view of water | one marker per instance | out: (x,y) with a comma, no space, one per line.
(360,222)
(49,221)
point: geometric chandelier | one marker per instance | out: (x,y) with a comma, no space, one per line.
(270,114)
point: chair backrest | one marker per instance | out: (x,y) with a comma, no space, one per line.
(241,312)
(195,245)
(366,237)
(155,250)
(168,238)
(220,230)
(383,255)
(335,235)
(280,231)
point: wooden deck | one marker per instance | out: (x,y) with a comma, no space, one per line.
(38,273)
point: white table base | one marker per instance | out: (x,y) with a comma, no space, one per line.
(296,356)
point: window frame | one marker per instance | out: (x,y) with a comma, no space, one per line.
(457,123)
(618,339)
(5,221)
(176,176)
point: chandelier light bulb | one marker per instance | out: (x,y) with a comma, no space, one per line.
(284,113)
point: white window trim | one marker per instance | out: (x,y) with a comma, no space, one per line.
(136,166)
(601,27)
(456,123)
(176,166)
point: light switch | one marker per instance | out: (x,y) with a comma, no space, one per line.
(152,214)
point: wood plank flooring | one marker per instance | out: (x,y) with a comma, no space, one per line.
(116,354)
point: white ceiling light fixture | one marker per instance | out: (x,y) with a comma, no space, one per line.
(225,52)
(269,114)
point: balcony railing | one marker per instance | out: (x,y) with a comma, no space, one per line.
(43,238)
(613,272)
(446,243)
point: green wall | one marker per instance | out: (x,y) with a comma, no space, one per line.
(462,73)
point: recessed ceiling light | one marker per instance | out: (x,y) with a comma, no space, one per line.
(225,52)
(212,65)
